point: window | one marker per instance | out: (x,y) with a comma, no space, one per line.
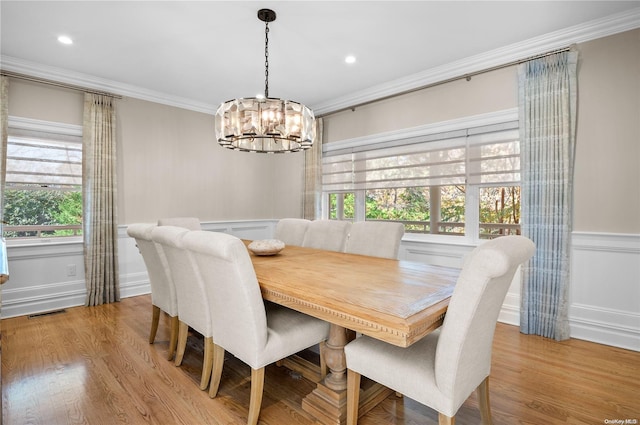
(439,179)
(342,206)
(499,211)
(43,192)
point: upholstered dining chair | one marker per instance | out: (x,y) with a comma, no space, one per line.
(327,234)
(443,369)
(193,307)
(291,231)
(242,325)
(191,223)
(375,238)
(163,291)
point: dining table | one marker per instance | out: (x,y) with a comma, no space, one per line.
(395,301)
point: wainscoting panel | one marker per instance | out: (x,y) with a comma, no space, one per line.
(44,277)
(605,285)
(605,289)
(49,276)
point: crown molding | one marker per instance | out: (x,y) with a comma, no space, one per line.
(73,78)
(591,30)
(599,28)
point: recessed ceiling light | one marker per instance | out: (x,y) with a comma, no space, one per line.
(65,39)
(350,59)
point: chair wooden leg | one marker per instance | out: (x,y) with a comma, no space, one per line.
(216,370)
(483,401)
(353,396)
(207,363)
(155,319)
(446,420)
(183,332)
(257,386)
(173,337)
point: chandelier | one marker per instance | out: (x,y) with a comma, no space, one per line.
(265,124)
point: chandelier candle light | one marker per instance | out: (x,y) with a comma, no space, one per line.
(265,124)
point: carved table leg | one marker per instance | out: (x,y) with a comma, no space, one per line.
(328,402)
(335,359)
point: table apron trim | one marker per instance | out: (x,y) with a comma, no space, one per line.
(375,330)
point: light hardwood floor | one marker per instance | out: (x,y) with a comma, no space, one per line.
(95,366)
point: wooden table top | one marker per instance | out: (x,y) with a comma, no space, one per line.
(395,301)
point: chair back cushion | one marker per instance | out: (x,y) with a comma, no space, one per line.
(163,291)
(327,234)
(291,231)
(375,238)
(238,312)
(193,305)
(463,355)
(191,223)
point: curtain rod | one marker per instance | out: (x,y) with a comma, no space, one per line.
(449,80)
(56,83)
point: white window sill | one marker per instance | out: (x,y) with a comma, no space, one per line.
(43,242)
(440,239)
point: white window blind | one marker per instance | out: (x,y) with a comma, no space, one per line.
(482,155)
(493,157)
(41,163)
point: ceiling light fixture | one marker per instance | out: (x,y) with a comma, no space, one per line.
(262,123)
(65,39)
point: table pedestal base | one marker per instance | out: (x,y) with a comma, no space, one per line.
(329,407)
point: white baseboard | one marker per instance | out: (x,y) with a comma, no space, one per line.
(42,298)
(134,284)
(605,326)
(510,311)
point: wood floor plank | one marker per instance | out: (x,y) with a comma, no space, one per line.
(95,366)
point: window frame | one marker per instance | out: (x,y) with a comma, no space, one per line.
(506,118)
(25,127)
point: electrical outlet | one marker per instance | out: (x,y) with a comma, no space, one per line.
(71,269)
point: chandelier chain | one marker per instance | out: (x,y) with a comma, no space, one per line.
(266,60)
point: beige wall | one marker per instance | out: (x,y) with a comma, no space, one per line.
(607,169)
(169,163)
(44,102)
(494,91)
(607,172)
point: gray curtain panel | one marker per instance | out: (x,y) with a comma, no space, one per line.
(100,221)
(547,109)
(313,176)
(4,123)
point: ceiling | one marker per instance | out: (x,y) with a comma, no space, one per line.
(201,53)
